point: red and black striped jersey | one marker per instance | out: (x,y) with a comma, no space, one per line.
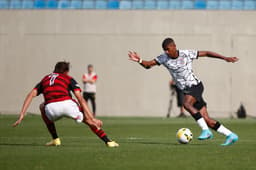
(56,87)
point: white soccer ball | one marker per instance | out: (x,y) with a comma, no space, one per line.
(184,135)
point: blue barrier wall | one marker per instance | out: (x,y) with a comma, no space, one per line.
(130,4)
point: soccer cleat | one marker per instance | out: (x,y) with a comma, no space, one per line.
(54,142)
(230,139)
(206,134)
(112,144)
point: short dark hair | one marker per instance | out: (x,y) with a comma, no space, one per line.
(61,67)
(90,65)
(166,42)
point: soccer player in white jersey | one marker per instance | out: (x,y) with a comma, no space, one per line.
(179,64)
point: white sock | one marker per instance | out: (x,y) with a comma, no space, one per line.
(223,130)
(201,122)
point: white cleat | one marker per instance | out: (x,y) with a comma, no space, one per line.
(112,144)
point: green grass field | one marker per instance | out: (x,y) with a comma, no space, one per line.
(146,143)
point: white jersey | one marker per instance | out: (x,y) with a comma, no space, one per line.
(90,87)
(181,67)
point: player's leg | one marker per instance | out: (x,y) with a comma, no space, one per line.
(89,97)
(180,97)
(193,102)
(231,137)
(182,112)
(103,136)
(170,104)
(93,101)
(189,103)
(72,110)
(50,126)
(86,96)
(210,122)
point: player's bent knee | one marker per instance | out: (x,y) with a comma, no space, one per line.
(79,119)
(187,105)
(200,104)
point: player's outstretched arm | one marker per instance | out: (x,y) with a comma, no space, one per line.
(136,58)
(216,55)
(25,106)
(89,118)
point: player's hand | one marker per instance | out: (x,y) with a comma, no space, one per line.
(17,122)
(134,56)
(93,123)
(231,59)
(98,122)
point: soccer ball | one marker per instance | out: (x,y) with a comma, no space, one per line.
(184,135)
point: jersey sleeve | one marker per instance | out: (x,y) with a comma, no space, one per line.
(95,77)
(74,86)
(39,88)
(193,54)
(161,59)
(84,77)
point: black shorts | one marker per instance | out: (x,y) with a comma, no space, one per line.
(197,92)
(89,96)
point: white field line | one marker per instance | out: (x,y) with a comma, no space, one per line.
(92,138)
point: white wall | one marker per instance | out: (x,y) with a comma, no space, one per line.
(31,42)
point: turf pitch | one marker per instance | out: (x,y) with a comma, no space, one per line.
(145,143)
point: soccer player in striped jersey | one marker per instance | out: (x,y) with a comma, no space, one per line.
(58,103)
(179,64)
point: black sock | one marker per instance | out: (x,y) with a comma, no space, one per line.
(54,135)
(101,134)
(52,130)
(197,116)
(216,126)
(105,139)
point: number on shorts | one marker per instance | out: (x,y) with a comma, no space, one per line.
(53,77)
